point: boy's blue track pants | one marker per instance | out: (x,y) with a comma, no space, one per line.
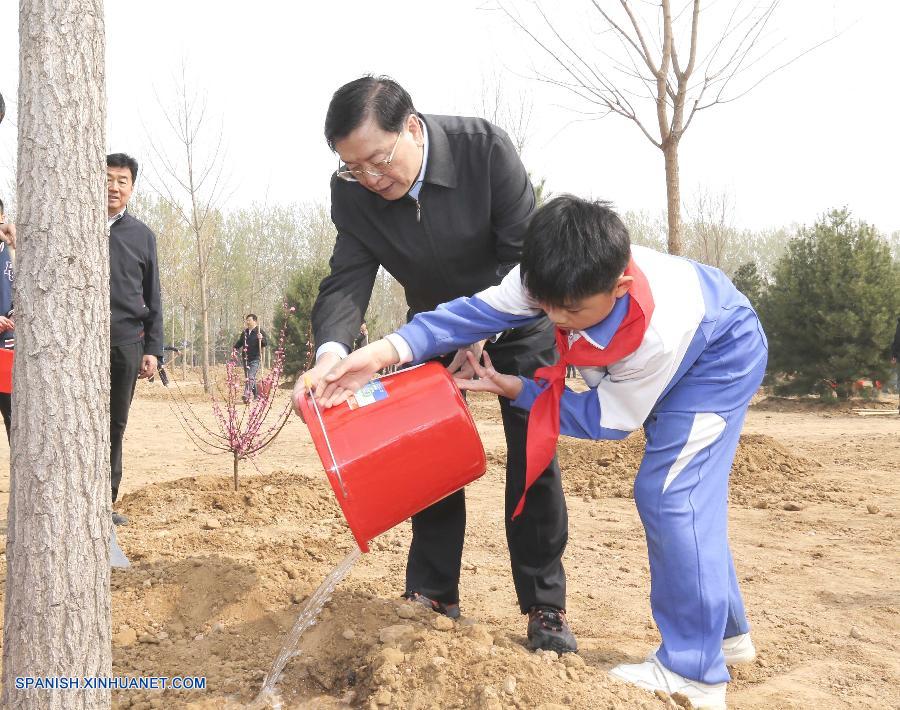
(681,492)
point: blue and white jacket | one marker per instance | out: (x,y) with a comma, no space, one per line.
(701,346)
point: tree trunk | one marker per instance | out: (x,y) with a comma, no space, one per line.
(236,462)
(673,195)
(57,606)
(184,345)
(204,321)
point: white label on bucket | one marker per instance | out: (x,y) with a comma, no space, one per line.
(369,393)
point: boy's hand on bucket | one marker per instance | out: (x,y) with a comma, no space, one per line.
(354,371)
(489,380)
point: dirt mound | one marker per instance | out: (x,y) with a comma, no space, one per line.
(426,662)
(217,580)
(202,513)
(765,472)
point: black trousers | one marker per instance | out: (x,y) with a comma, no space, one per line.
(124,367)
(537,538)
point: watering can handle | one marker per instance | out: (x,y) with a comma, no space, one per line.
(337,468)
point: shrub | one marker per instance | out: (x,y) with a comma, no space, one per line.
(301,295)
(830,310)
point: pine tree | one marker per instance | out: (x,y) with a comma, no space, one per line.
(748,281)
(301,293)
(830,311)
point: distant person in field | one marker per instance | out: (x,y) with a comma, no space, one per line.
(663,343)
(249,345)
(135,319)
(7,325)
(362,339)
(895,353)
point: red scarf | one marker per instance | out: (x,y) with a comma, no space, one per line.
(543,422)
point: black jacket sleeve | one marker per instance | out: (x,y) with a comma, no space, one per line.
(344,294)
(153,320)
(239,343)
(512,201)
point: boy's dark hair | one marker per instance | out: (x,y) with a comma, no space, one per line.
(573,249)
(123,160)
(380,97)
(253,316)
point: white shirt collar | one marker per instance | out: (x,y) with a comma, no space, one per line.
(417,185)
(115,218)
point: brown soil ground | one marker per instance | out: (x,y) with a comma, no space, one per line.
(218,576)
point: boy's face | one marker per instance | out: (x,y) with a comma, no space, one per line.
(588,311)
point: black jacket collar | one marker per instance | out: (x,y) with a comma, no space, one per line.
(441,169)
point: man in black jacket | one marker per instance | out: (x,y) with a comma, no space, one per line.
(135,318)
(442,202)
(249,346)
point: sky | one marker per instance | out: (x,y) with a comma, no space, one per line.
(817,135)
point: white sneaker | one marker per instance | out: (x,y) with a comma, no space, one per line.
(738,649)
(653,675)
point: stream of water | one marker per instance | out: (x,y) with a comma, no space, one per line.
(267,697)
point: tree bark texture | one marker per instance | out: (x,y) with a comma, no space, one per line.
(673,195)
(57,606)
(204,315)
(184,353)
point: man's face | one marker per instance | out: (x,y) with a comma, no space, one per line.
(250,323)
(586,312)
(118,189)
(368,146)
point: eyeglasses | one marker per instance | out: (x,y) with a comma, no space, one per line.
(378,169)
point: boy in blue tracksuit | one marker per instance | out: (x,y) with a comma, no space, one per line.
(664,343)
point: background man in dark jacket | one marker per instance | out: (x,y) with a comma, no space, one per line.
(249,346)
(442,202)
(135,318)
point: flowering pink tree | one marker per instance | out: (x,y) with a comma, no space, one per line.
(242,429)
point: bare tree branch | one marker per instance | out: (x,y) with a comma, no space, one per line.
(653,72)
